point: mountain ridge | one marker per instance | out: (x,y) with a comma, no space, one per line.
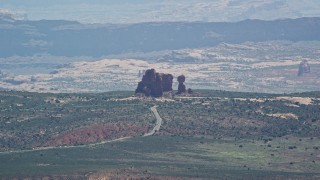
(70,38)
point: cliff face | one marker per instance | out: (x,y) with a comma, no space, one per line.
(154,84)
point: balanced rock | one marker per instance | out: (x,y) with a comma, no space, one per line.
(181,87)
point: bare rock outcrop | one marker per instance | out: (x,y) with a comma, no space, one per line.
(158,84)
(154,84)
(181,87)
(167,80)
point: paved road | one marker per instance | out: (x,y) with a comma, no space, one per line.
(156,128)
(65,147)
(158,124)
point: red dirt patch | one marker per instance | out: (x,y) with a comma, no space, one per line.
(97,132)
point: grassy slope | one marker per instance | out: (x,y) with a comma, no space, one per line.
(174,156)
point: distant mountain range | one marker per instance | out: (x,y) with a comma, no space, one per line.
(70,38)
(137,11)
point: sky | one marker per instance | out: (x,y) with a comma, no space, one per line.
(137,11)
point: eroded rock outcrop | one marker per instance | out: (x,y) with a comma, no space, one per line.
(181,87)
(154,84)
(167,80)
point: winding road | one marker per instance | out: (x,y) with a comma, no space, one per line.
(154,130)
(158,124)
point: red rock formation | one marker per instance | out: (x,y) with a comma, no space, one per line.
(158,90)
(167,80)
(181,88)
(154,84)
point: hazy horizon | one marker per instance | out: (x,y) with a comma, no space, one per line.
(137,11)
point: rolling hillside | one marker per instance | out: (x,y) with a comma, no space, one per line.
(211,135)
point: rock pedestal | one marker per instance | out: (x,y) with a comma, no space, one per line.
(181,87)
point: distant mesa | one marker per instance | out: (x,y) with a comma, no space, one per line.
(155,84)
(304,67)
(13,81)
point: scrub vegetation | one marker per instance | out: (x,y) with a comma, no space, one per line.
(213,134)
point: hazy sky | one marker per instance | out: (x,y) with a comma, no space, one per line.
(133,11)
